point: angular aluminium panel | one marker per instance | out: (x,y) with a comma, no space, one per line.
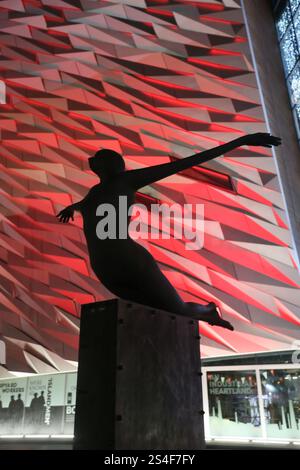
(153,80)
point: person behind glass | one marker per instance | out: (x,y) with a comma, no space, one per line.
(19,409)
(126,268)
(35,409)
(41,407)
(2,415)
(12,410)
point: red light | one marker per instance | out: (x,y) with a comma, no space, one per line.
(131,145)
(223,52)
(169,113)
(79,116)
(53,32)
(240,39)
(206,5)
(155,11)
(242,118)
(211,6)
(56,19)
(161,82)
(218,128)
(212,65)
(217,20)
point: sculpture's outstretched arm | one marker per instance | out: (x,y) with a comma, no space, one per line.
(144,176)
(77,205)
(68,213)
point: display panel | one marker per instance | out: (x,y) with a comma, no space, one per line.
(34,405)
(44,409)
(281,395)
(12,405)
(70,403)
(240,402)
(154,81)
(233,404)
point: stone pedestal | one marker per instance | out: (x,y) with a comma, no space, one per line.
(139,379)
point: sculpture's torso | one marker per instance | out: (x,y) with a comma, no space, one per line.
(112,256)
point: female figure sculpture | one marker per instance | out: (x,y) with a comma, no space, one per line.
(126,268)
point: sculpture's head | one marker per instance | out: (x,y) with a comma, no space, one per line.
(106,163)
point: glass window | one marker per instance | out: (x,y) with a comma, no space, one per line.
(233,404)
(246,404)
(297,26)
(296,112)
(287,18)
(289,49)
(281,395)
(294,5)
(294,85)
(283,21)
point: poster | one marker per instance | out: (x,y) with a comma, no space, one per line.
(12,405)
(70,403)
(233,404)
(44,406)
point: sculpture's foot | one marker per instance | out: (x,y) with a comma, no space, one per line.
(207,313)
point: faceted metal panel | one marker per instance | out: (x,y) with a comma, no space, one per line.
(154,80)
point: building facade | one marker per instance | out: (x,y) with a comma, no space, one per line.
(153,80)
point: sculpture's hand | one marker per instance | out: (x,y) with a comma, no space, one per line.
(260,139)
(66,214)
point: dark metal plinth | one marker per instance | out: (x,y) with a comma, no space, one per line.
(139,379)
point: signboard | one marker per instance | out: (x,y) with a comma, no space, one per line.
(45,404)
(233,403)
(70,402)
(12,399)
(44,407)
(38,405)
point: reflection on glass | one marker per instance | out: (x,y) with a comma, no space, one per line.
(288,29)
(297,112)
(281,396)
(290,50)
(233,404)
(283,21)
(294,85)
(294,4)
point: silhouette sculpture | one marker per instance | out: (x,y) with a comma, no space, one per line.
(126,268)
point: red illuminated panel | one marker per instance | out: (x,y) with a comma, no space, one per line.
(208,176)
(150,80)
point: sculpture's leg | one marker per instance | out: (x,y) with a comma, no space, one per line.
(212,317)
(130,272)
(155,290)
